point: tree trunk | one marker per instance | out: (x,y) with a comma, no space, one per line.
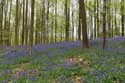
(98,18)
(95,24)
(67,14)
(32,26)
(55,20)
(17,23)
(9,25)
(122,16)
(84,24)
(47,25)
(26,24)
(109,18)
(23,24)
(104,24)
(32,22)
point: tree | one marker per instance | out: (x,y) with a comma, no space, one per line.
(55,20)
(9,42)
(79,27)
(2,3)
(47,21)
(95,18)
(26,23)
(72,23)
(109,17)
(84,24)
(47,24)
(32,22)
(17,23)
(67,14)
(104,23)
(122,16)
(43,27)
(23,24)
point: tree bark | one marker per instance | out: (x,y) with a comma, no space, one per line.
(122,16)
(17,23)
(84,24)
(23,24)
(104,24)
(32,22)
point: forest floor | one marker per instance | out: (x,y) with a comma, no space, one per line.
(65,62)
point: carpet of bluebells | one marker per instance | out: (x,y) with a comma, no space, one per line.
(65,62)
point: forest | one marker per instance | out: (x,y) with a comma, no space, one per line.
(62,41)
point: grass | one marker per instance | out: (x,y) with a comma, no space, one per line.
(74,65)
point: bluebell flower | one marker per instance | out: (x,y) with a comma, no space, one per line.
(22,73)
(33,78)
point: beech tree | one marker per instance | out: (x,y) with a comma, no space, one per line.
(32,23)
(28,22)
(122,16)
(104,23)
(84,24)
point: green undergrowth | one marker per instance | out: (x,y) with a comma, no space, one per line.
(97,66)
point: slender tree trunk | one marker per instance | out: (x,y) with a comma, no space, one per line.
(72,26)
(98,18)
(95,24)
(116,28)
(112,23)
(79,30)
(9,25)
(17,23)
(47,25)
(32,22)
(55,20)
(67,14)
(84,24)
(23,24)
(26,24)
(43,27)
(52,39)
(79,27)
(52,26)
(19,20)
(32,25)
(40,25)
(6,33)
(61,39)
(122,16)
(104,24)
(109,18)
(1,21)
